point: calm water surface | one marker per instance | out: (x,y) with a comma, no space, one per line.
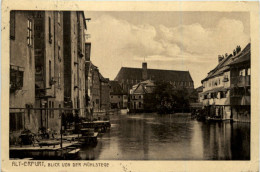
(170,137)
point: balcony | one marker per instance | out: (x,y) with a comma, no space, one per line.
(240,81)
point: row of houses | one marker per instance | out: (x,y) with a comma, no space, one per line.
(50,71)
(98,95)
(226,89)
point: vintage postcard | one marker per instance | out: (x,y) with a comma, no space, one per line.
(130,86)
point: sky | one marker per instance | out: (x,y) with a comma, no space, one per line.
(189,41)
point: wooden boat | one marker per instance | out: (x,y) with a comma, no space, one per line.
(89,136)
(98,126)
(88,133)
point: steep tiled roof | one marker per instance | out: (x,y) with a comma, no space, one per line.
(102,79)
(224,64)
(245,57)
(199,89)
(153,74)
(144,87)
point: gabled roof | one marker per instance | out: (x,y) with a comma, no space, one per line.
(146,86)
(199,89)
(102,79)
(89,65)
(153,74)
(225,63)
(245,57)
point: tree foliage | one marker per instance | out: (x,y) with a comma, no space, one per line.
(170,99)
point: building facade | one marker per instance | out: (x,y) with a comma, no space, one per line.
(218,95)
(240,93)
(104,94)
(98,89)
(74,55)
(142,97)
(22,74)
(118,99)
(127,77)
(42,71)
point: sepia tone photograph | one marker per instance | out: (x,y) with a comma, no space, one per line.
(101,86)
(130,85)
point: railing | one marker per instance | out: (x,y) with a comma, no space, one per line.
(240,81)
(51,114)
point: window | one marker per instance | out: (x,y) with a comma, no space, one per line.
(118,96)
(222,94)
(59,110)
(52,112)
(16,77)
(111,96)
(248,71)
(59,78)
(59,51)
(29,32)
(140,97)
(59,17)
(12,25)
(225,79)
(50,81)
(242,72)
(16,121)
(140,104)
(50,35)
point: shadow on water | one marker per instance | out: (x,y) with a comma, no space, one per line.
(170,137)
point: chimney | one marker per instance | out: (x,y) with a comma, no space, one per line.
(220,58)
(144,71)
(234,52)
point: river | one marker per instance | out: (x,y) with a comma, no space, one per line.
(169,137)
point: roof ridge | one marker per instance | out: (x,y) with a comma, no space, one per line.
(156,69)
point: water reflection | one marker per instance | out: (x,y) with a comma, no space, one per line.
(170,137)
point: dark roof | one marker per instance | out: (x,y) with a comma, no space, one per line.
(225,63)
(199,89)
(102,79)
(89,65)
(153,74)
(244,58)
(116,89)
